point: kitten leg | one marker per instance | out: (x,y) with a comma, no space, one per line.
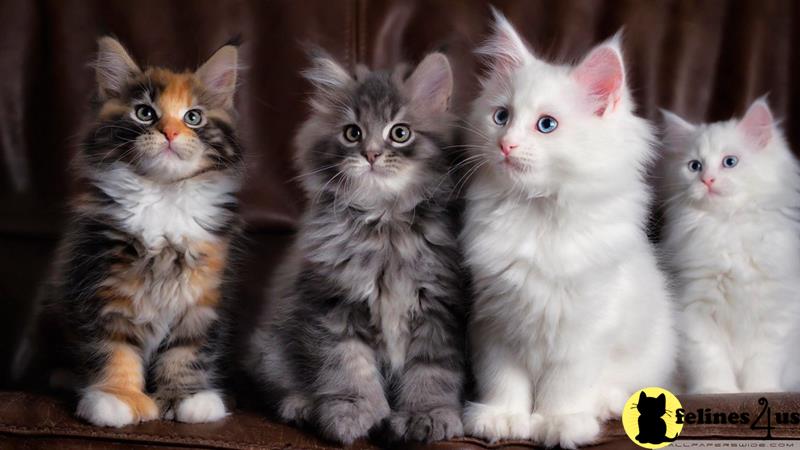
(567,406)
(182,369)
(428,391)
(763,371)
(115,393)
(349,393)
(707,364)
(504,389)
(115,396)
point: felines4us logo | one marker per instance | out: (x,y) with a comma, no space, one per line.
(653,418)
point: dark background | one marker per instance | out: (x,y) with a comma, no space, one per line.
(706,60)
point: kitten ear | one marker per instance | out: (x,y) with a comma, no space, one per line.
(662,400)
(757,123)
(602,75)
(642,396)
(431,84)
(505,49)
(325,73)
(218,74)
(677,131)
(113,67)
(328,78)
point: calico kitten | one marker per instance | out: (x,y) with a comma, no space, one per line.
(364,322)
(139,276)
(732,238)
(571,313)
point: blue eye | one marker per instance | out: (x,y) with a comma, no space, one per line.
(695,166)
(730,161)
(501,116)
(547,124)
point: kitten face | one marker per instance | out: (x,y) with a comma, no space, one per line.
(164,125)
(723,163)
(377,135)
(544,126)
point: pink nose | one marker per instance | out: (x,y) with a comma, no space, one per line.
(506,147)
(708,181)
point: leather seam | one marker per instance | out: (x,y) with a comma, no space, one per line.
(157,437)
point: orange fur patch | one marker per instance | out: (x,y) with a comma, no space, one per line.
(208,272)
(175,99)
(112,109)
(123,377)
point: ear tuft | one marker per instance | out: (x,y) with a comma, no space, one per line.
(219,73)
(758,123)
(113,67)
(602,75)
(325,73)
(505,50)
(431,84)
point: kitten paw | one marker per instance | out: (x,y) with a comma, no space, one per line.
(204,406)
(345,420)
(295,408)
(492,423)
(104,410)
(435,425)
(567,430)
(611,403)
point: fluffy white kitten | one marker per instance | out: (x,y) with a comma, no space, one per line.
(571,314)
(732,239)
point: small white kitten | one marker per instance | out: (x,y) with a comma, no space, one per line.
(571,314)
(731,237)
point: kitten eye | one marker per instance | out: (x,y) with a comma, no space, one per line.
(547,124)
(501,116)
(352,133)
(193,117)
(695,166)
(730,161)
(145,113)
(400,133)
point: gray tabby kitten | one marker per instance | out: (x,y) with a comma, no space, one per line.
(364,326)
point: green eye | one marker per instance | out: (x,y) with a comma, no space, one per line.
(400,133)
(352,133)
(193,117)
(145,113)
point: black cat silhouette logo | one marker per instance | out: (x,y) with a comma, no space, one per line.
(649,418)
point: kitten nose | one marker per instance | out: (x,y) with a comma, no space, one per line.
(371,155)
(708,181)
(170,133)
(506,147)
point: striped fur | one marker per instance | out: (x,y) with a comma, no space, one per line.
(140,275)
(364,324)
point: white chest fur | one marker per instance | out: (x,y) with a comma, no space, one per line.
(174,213)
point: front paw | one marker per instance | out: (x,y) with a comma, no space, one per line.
(347,419)
(202,407)
(565,430)
(493,423)
(116,410)
(435,425)
(295,408)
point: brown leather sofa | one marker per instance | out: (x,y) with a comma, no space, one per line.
(703,59)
